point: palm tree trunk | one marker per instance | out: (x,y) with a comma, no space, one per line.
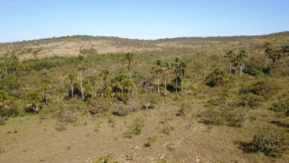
(176,82)
(158,82)
(44,95)
(72,89)
(165,83)
(182,81)
(230,68)
(241,69)
(81,89)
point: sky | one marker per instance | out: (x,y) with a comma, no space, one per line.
(140,19)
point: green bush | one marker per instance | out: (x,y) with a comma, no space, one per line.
(270,141)
(254,67)
(151,141)
(217,77)
(167,129)
(264,88)
(281,106)
(250,100)
(235,118)
(211,117)
(120,110)
(185,109)
(67,115)
(135,128)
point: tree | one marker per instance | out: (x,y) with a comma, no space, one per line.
(242,57)
(232,57)
(182,67)
(129,58)
(45,83)
(104,74)
(268,50)
(274,55)
(158,69)
(176,69)
(81,60)
(166,68)
(285,51)
(71,77)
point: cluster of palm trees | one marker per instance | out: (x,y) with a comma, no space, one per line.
(177,67)
(276,54)
(237,59)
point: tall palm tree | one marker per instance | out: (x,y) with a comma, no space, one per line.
(182,68)
(71,78)
(130,58)
(274,56)
(158,69)
(232,57)
(285,51)
(166,71)
(104,74)
(176,69)
(268,51)
(242,57)
(81,67)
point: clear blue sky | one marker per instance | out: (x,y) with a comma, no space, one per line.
(142,19)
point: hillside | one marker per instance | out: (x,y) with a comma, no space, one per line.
(107,99)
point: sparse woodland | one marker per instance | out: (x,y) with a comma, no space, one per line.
(223,99)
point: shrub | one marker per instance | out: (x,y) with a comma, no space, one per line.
(2,121)
(185,109)
(167,129)
(151,140)
(264,88)
(282,106)
(235,118)
(120,110)
(67,115)
(98,106)
(251,100)
(133,105)
(270,141)
(254,67)
(135,128)
(211,117)
(217,77)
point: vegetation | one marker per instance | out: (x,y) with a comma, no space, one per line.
(163,94)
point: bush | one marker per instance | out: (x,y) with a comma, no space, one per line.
(211,117)
(251,100)
(270,141)
(135,128)
(185,109)
(235,118)
(98,106)
(67,115)
(217,77)
(254,67)
(151,140)
(167,129)
(282,106)
(120,110)
(11,111)
(264,88)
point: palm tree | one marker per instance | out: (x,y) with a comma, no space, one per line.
(81,67)
(182,68)
(232,57)
(166,70)
(242,57)
(285,50)
(104,74)
(71,78)
(45,85)
(268,51)
(176,70)
(274,56)
(130,58)
(158,69)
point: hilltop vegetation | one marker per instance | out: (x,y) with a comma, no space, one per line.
(220,99)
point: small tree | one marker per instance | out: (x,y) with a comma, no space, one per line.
(285,51)
(158,69)
(71,77)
